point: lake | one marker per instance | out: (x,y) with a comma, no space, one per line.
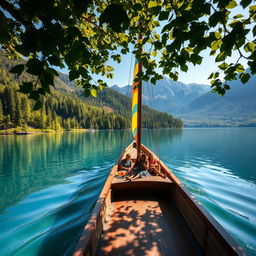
(50,182)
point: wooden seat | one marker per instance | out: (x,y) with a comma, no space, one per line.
(144,179)
(146,226)
(150,184)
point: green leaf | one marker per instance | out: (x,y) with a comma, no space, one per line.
(184,68)
(196,59)
(87,93)
(216,45)
(35,67)
(55,61)
(116,17)
(217,35)
(238,16)
(221,56)
(239,68)
(94,92)
(249,47)
(18,69)
(244,77)
(231,5)
(234,23)
(214,19)
(152,4)
(164,15)
(223,66)
(245,3)
(26,87)
(73,74)
(226,87)
(254,31)
(154,53)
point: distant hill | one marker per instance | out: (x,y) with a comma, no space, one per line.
(169,96)
(198,106)
(237,107)
(67,108)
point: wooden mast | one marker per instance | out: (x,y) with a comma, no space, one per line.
(139,101)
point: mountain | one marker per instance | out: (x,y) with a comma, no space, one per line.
(198,106)
(237,107)
(169,96)
(67,108)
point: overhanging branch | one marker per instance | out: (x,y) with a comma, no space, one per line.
(14,13)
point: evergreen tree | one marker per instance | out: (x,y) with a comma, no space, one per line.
(43,121)
(9,103)
(18,112)
(7,122)
(1,114)
(25,107)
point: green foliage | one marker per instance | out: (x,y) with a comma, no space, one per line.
(84,35)
(64,110)
(120,22)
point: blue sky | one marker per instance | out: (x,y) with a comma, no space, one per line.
(195,74)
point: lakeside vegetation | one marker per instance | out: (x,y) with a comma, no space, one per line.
(66,109)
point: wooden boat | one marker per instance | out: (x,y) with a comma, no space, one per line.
(150,215)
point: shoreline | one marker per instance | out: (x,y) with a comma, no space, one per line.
(19,131)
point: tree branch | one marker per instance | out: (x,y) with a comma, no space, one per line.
(14,13)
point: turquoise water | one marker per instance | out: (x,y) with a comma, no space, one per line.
(50,182)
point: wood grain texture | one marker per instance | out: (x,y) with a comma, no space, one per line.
(147,227)
(157,217)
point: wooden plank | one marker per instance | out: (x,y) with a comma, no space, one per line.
(88,241)
(146,227)
(167,232)
(194,221)
(146,179)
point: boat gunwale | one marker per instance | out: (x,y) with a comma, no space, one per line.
(85,241)
(206,217)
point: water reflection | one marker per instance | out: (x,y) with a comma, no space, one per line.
(34,162)
(49,182)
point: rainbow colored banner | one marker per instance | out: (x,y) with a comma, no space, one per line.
(135,103)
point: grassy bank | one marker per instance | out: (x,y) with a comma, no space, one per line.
(22,131)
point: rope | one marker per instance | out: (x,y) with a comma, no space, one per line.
(126,133)
(152,105)
(154,129)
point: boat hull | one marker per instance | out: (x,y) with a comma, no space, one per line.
(152,216)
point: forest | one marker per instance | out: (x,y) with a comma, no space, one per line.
(66,108)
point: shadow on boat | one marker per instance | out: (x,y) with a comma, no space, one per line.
(147,227)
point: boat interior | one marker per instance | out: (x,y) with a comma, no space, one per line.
(152,216)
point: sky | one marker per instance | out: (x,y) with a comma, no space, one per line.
(196,74)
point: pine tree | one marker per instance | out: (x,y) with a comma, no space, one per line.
(43,121)
(25,106)
(7,122)
(1,114)
(18,112)
(9,103)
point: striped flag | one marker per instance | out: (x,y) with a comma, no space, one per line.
(135,102)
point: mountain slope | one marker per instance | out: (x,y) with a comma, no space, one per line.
(169,96)
(236,107)
(198,106)
(66,108)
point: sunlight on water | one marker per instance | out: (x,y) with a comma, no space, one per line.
(49,183)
